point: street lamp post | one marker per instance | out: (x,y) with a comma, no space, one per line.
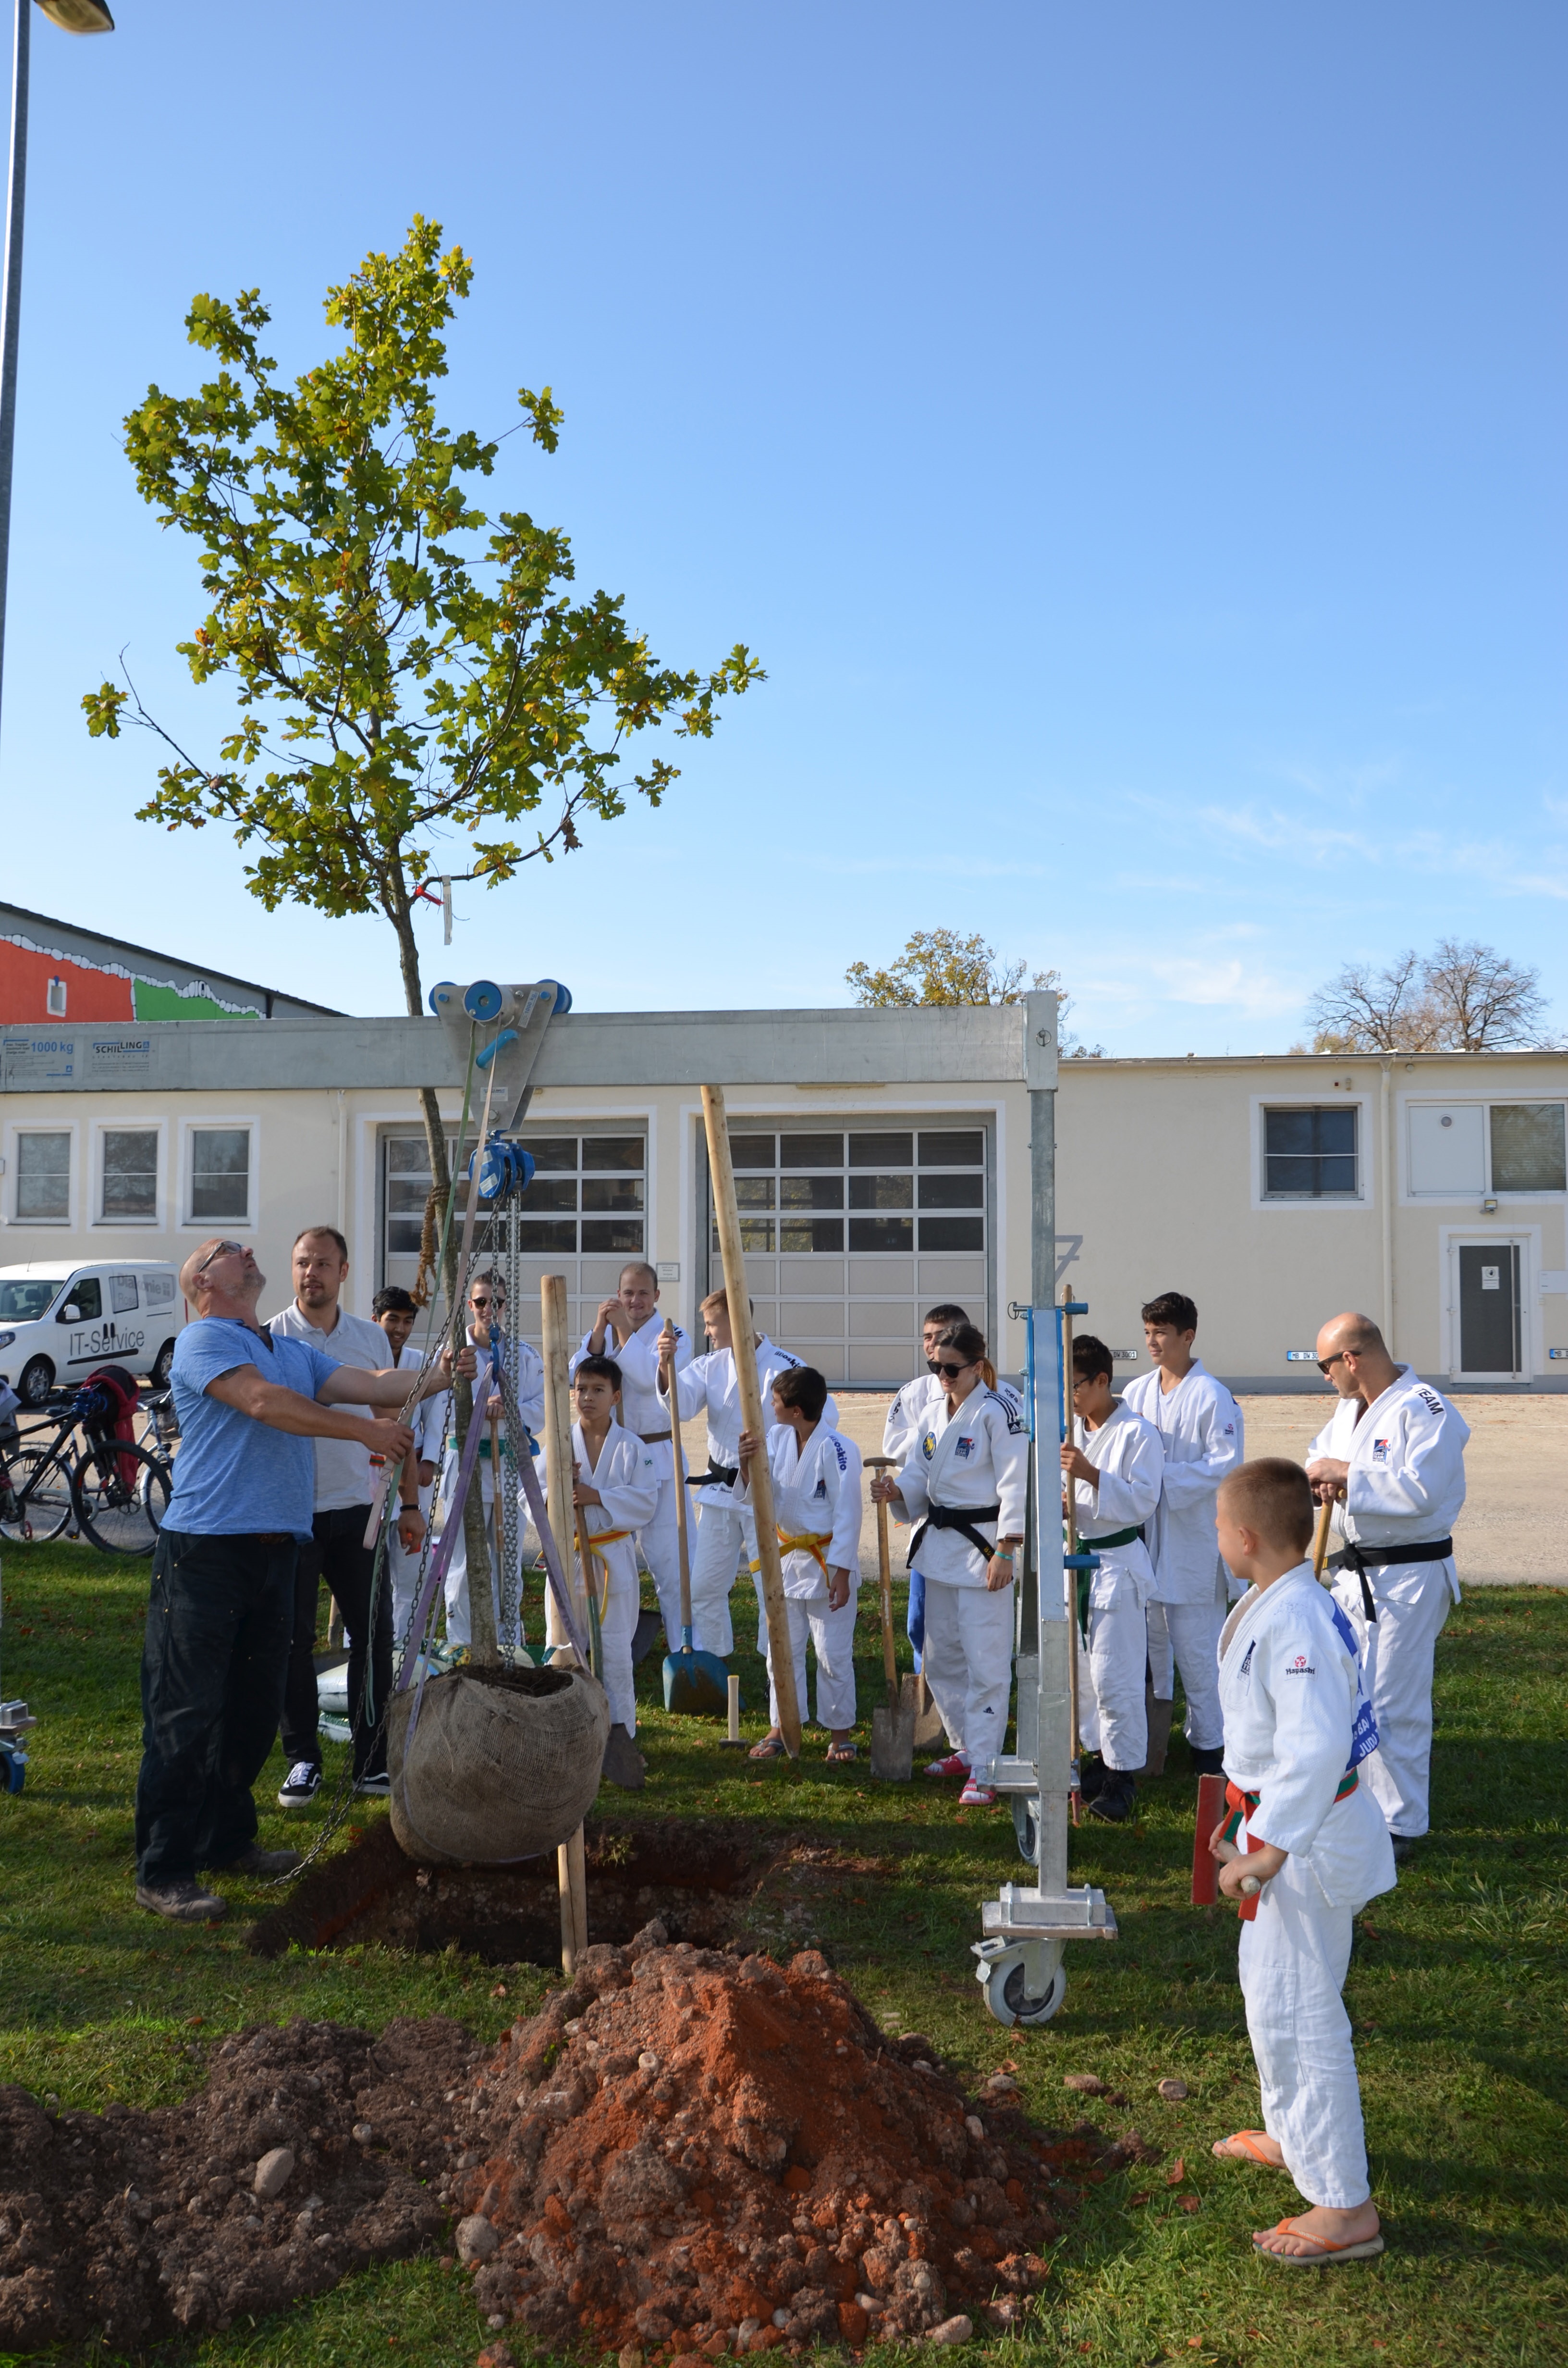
(72,16)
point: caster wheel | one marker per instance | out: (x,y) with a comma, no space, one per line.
(1026,1826)
(13,1768)
(1016,2003)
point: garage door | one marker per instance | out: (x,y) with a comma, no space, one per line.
(852,1231)
(586,1214)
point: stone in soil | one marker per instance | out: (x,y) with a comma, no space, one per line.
(692,2152)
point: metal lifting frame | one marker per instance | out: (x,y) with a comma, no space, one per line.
(1027,1927)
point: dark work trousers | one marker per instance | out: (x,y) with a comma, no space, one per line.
(337,1551)
(212,1665)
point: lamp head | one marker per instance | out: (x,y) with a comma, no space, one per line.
(78,16)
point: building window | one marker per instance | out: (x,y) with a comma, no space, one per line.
(1310,1154)
(220,1173)
(54,999)
(43,1179)
(867,1193)
(1528,1147)
(589,1194)
(130,1193)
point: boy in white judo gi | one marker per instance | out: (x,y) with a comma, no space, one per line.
(487,1334)
(708,1386)
(1299,1728)
(628,1327)
(816,1507)
(1114,1465)
(615,1487)
(1392,1456)
(1199,1425)
(964,1486)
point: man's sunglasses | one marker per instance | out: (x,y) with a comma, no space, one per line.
(218,1250)
(1324,1363)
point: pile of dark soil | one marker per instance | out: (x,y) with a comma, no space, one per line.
(714,2154)
(133,2226)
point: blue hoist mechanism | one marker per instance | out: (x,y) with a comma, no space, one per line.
(1027,1927)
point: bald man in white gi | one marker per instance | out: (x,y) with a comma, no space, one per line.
(1392,1457)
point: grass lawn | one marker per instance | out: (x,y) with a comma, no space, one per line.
(1457,1991)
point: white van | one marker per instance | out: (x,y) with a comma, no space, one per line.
(57,1321)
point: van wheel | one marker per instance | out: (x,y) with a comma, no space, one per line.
(161,1364)
(37,1381)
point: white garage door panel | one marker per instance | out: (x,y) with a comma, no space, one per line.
(954,1278)
(1447,1153)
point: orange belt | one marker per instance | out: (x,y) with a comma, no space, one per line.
(811,1544)
(595,1544)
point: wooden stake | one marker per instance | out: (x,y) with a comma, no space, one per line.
(571,1876)
(558,1444)
(1320,1543)
(743,1348)
(878,1463)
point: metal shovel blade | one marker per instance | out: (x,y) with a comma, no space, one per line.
(893,1735)
(929,1733)
(696,1685)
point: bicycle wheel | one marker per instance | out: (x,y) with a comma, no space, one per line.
(42,1488)
(119,1494)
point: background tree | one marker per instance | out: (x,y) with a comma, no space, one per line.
(399,681)
(939,967)
(1459,998)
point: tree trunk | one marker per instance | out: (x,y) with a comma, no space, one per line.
(481,1611)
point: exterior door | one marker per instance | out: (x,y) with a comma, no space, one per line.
(1489,1336)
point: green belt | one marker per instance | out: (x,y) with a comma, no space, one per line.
(1085,1577)
(484,1447)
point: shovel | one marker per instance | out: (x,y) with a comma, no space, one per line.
(696,1685)
(892,1727)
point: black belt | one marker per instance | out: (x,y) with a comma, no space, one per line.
(949,1517)
(1360,1559)
(714,1477)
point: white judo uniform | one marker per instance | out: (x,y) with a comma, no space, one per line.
(816,1504)
(1199,1425)
(967,1465)
(1112,1711)
(529,1380)
(1297,1723)
(627,1482)
(427,1423)
(644,1413)
(909,1416)
(1406,1492)
(708,1386)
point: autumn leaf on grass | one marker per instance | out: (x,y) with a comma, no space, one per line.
(1176,2172)
(1134,2200)
(1189,2203)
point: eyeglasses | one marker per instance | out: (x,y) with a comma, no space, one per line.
(218,1250)
(950,1373)
(1325,1363)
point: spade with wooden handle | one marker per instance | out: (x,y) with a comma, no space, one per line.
(892,1727)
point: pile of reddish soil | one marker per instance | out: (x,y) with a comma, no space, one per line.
(133,2226)
(711,2153)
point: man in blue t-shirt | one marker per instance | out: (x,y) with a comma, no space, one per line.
(221,1608)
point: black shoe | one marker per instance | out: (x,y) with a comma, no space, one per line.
(183,1901)
(1092,1774)
(258,1861)
(300,1785)
(376,1788)
(1403,1848)
(1209,1762)
(1116,1798)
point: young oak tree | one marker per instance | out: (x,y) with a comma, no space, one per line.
(398,680)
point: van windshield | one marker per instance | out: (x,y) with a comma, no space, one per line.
(26,1298)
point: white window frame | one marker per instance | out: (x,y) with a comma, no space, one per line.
(1365,1195)
(1532,1342)
(189,1129)
(1487,1103)
(158,1221)
(16,1129)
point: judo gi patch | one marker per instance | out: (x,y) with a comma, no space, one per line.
(1247,1658)
(1299,1668)
(1381,1450)
(1363,1735)
(964,1449)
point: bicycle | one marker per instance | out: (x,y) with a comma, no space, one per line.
(114,1490)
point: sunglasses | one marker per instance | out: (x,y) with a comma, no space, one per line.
(1325,1362)
(950,1373)
(218,1250)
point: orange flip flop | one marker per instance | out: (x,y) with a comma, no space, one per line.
(1245,2138)
(1366,2248)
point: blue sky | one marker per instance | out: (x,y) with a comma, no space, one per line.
(1129,436)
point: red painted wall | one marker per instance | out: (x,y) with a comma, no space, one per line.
(89,994)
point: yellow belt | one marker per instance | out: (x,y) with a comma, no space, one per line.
(595,1544)
(813,1545)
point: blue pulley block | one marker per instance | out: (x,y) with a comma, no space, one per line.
(484,1000)
(444,997)
(562,995)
